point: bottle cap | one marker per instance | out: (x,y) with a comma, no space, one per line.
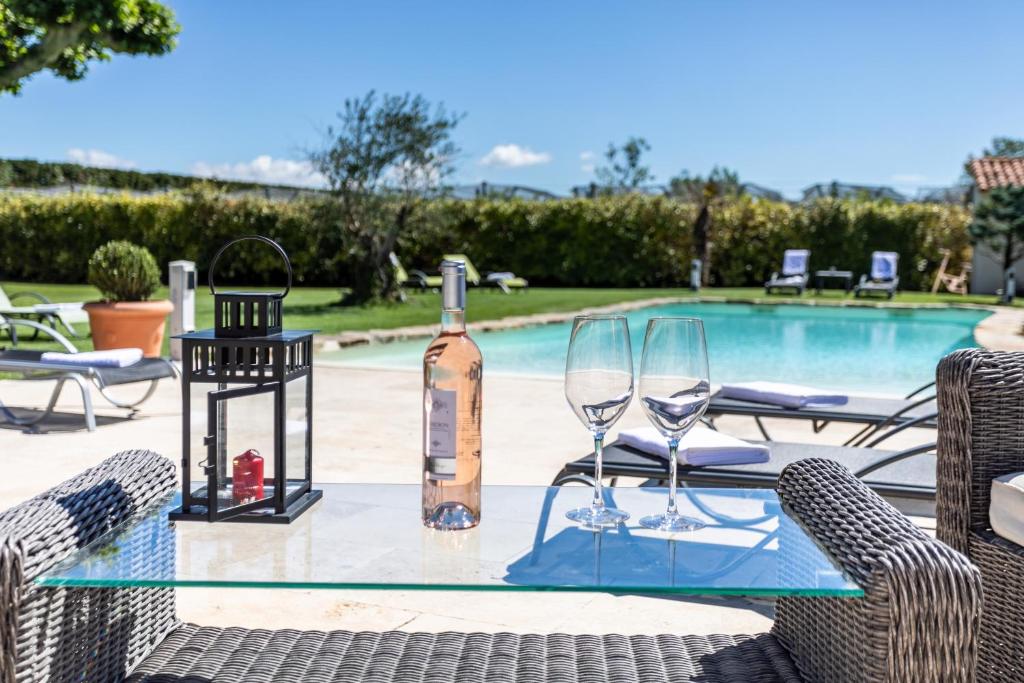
(453,285)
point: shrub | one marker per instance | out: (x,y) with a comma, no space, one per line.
(123,271)
(623,241)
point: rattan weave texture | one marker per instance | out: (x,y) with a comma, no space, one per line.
(981,436)
(196,654)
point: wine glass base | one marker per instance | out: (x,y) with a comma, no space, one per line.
(597,518)
(671,522)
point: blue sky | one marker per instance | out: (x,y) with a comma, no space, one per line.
(786,93)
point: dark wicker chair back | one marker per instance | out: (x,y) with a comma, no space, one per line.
(60,634)
(981,436)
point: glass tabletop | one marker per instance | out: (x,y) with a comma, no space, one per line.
(370,536)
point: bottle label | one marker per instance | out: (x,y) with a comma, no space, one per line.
(440,434)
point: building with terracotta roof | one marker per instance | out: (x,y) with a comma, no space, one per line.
(989,173)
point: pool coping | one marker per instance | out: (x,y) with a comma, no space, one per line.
(1000,331)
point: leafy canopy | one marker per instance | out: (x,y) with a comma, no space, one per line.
(721,183)
(999,223)
(65,35)
(1006,147)
(381,159)
(624,170)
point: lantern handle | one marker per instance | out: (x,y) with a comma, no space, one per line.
(258,238)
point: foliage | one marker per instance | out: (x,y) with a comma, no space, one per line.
(621,241)
(1006,147)
(382,160)
(721,183)
(65,35)
(624,170)
(29,173)
(999,223)
(123,271)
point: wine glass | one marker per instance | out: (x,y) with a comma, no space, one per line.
(599,386)
(674,393)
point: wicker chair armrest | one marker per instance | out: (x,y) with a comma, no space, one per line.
(919,617)
(50,633)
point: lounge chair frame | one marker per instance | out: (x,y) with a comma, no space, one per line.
(83,377)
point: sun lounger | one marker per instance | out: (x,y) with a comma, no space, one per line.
(507,281)
(884,278)
(30,365)
(917,409)
(794,272)
(67,315)
(415,280)
(906,478)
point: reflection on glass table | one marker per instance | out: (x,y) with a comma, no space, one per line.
(370,536)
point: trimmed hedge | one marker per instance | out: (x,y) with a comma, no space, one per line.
(625,241)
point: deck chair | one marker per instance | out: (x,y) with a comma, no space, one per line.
(472,274)
(954,284)
(416,280)
(67,315)
(916,409)
(884,278)
(506,282)
(794,272)
(30,366)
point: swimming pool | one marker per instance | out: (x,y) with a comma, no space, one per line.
(874,350)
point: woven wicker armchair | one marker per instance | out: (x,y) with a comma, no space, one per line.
(981,436)
(916,623)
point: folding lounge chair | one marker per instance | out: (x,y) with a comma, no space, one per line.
(794,272)
(43,310)
(884,278)
(416,280)
(916,409)
(906,478)
(30,366)
(472,274)
(506,282)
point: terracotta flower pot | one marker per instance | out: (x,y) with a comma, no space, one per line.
(129,324)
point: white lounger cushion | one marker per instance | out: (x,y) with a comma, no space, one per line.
(1006,509)
(794,261)
(781,394)
(884,265)
(114,358)
(699,447)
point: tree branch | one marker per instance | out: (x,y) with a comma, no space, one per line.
(53,42)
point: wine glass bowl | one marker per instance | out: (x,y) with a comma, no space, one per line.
(599,387)
(674,391)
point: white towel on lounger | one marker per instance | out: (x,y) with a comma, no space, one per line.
(113,358)
(699,447)
(781,394)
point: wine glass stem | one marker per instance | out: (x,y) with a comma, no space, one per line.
(598,503)
(673,466)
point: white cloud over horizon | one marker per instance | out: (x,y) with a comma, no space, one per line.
(514,156)
(99,158)
(262,169)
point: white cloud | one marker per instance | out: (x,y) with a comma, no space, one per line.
(514,156)
(97,157)
(588,161)
(262,169)
(908,178)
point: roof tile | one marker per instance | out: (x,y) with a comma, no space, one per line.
(990,172)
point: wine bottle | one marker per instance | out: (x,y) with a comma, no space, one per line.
(452,403)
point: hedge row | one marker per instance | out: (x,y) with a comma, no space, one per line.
(616,241)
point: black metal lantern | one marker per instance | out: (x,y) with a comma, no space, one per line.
(247,410)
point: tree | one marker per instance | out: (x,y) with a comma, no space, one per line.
(999,223)
(624,171)
(381,160)
(720,184)
(65,35)
(1006,147)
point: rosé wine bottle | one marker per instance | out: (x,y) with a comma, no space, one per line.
(452,403)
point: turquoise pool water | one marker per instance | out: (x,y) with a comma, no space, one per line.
(875,350)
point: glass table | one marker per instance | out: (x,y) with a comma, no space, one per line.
(369,536)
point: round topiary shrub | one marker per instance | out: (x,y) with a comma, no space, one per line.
(123,271)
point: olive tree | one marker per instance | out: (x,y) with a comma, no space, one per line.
(624,170)
(998,223)
(381,160)
(64,36)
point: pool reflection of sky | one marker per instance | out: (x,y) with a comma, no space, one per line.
(873,350)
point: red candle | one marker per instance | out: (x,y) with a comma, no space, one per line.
(247,477)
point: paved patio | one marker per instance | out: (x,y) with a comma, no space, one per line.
(367,429)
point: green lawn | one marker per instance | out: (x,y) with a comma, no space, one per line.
(316,308)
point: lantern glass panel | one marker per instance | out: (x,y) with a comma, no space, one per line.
(246,423)
(296,430)
(198,429)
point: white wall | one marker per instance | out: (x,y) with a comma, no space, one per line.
(987,271)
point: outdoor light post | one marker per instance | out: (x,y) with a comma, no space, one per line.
(247,392)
